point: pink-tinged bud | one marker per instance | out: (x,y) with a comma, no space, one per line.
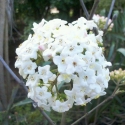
(85,34)
(41,48)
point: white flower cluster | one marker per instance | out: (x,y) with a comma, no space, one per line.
(101,21)
(63,64)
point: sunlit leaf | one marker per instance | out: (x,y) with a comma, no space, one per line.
(121,50)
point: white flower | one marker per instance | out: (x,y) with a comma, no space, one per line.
(19,62)
(96,18)
(73,94)
(31,93)
(23,45)
(29,51)
(38,26)
(74,64)
(21,72)
(29,67)
(64,77)
(44,73)
(53,48)
(52,78)
(87,77)
(44,106)
(60,106)
(72,49)
(60,61)
(42,93)
(32,80)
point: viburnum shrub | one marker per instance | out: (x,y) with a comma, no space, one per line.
(63,64)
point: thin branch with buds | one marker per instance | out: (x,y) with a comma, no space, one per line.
(23,85)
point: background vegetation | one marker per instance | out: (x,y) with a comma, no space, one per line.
(28,11)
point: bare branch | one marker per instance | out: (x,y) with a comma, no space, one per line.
(109,15)
(95,5)
(84,9)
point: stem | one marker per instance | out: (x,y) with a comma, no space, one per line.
(63,119)
(47,117)
(110,97)
(95,5)
(84,8)
(13,74)
(95,119)
(57,89)
(86,119)
(109,15)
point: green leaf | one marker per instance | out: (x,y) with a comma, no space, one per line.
(23,102)
(119,64)
(121,50)
(60,85)
(46,63)
(14,92)
(117,35)
(111,51)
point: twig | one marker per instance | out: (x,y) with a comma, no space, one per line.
(63,119)
(23,85)
(84,9)
(109,15)
(86,119)
(110,97)
(95,5)
(47,117)
(13,74)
